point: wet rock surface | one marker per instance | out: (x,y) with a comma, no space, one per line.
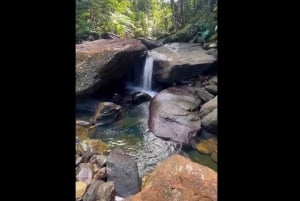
(179,179)
(178,61)
(174,114)
(123,171)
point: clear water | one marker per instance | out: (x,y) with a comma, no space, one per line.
(130,133)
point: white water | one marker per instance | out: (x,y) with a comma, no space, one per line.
(145,83)
(147,75)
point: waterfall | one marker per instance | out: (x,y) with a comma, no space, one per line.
(141,78)
(147,74)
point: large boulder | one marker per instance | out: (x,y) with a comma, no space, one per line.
(179,179)
(174,114)
(178,61)
(101,62)
(123,171)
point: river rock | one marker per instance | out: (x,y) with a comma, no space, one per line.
(79,160)
(178,61)
(208,146)
(106,113)
(213,80)
(123,171)
(210,121)
(99,160)
(208,107)
(106,191)
(91,193)
(212,88)
(95,146)
(204,95)
(82,133)
(174,114)
(84,173)
(102,62)
(80,189)
(179,179)
(99,173)
(140,97)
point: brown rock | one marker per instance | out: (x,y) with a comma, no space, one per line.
(96,146)
(207,146)
(179,179)
(91,192)
(80,189)
(100,174)
(82,132)
(101,62)
(106,192)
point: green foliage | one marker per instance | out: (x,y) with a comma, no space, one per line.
(152,18)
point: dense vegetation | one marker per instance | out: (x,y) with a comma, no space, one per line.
(149,18)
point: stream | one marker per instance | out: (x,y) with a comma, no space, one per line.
(130,130)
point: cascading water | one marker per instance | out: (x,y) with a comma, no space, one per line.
(147,74)
(145,81)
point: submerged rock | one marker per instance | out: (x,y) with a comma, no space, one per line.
(207,146)
(179,179)
(174,114)
(123,171)
(103,62)
(140,97)
(155,150)
(178,61)
(106,113)
(95,146)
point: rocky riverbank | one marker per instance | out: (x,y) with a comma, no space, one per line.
(181,115)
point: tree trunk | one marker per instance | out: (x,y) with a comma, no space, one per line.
(180,13)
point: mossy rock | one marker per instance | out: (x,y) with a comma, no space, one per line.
(207,146)
(96,146)
(82,133)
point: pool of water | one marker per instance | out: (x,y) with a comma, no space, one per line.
(130,132)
